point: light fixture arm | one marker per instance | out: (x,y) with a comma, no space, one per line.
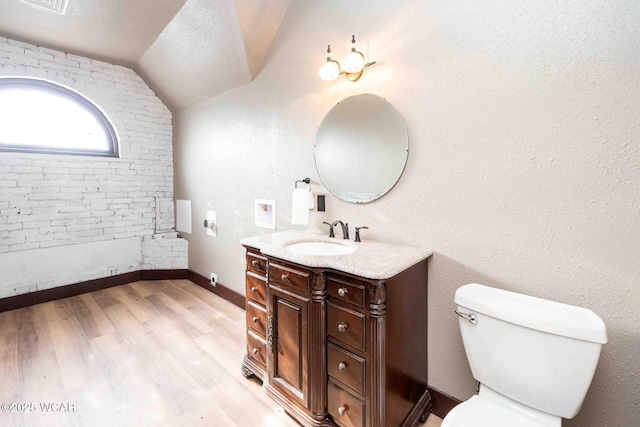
(353,49)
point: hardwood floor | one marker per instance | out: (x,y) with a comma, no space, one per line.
(150,353)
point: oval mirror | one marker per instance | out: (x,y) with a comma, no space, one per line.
(361,148)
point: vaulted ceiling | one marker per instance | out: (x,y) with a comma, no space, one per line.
(186,50)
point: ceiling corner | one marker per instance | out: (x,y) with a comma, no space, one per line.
(259,24)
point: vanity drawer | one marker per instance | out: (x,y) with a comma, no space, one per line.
(345,291)
(346,368)
(287,276)
(345,325)
(345,409)
(257,348)
(257,318)
(256,263)
(256,288)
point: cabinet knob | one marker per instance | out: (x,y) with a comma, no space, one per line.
(343,291)
(256,350)
(342,410)
(284,277)
(254,289)
(255,264)
(255,319)
(342,327)
(342,366)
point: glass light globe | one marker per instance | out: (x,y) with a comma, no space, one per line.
(354,62)
(330,70)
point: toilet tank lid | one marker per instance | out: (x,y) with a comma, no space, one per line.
(531,312)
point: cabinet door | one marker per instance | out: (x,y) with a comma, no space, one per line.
(288,334)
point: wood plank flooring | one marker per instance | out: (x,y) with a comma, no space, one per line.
(150,353)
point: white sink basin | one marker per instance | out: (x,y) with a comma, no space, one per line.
(320,248)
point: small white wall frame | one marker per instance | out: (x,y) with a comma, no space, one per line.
(265,213)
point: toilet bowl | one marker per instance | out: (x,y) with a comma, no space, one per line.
(534,358)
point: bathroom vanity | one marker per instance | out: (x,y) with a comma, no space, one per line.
(339,340)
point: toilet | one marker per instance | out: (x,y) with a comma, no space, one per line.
(534,359)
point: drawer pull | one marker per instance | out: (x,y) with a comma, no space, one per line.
(343,291)
(255,319)
(255,264)
(342,366)
(256,350)
(342,410)
(342,326)
(254,289)
(284,277)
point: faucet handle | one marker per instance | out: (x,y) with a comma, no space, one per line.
(357,239)
(330,229)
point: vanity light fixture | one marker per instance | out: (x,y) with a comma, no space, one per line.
(353,65)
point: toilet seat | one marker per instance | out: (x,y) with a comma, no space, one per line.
(480,412)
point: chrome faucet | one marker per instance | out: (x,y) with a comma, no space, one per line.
(345,228)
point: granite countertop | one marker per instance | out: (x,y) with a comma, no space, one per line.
(372,260)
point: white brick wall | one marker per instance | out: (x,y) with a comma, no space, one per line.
(164,251)
(49,201)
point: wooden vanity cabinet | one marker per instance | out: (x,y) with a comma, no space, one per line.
(297,358)
(255,362)
(377,342)
(341,350)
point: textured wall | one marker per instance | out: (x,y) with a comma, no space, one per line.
(60,207)
(523,168)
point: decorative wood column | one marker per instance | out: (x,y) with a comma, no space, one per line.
(376,345)
(318,347)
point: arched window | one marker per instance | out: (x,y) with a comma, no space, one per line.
(38,116)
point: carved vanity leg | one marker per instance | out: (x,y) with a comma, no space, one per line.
(246,372)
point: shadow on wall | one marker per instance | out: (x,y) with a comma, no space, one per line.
(446,349)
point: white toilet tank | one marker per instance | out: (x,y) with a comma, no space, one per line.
(540,353)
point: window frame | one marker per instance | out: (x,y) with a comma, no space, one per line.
(47,86)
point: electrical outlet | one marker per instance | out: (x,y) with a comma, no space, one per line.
(214,279)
